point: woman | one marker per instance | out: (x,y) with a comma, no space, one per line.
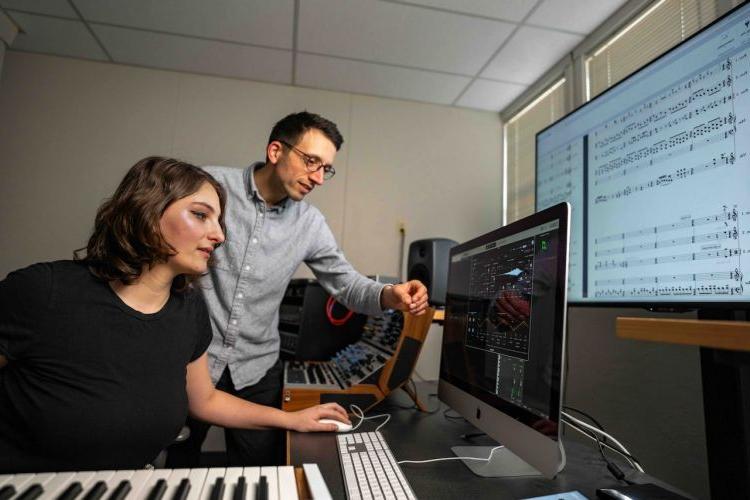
(101,358)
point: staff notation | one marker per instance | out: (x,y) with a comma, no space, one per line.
(667,179)
(674,140)
(727,234)
(716,71)
(682,290)
(732,275)
(724,253)
(726,215)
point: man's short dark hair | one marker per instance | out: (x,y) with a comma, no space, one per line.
(292,127)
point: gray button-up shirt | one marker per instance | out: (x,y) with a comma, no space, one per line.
(263,248)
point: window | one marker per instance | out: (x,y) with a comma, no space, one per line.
(659,28)
(519,147)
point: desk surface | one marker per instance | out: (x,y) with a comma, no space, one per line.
(413,435)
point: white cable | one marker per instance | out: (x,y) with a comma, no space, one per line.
(451,458)
(577,429)
(598,431)
(632,463)
(358,412)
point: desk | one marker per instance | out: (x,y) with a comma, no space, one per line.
(417,436)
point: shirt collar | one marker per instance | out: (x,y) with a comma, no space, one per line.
(252,188)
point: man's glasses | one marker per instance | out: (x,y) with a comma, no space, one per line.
(313,163)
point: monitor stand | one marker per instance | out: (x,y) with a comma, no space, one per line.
(504,463)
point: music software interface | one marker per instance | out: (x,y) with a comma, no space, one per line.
(498,335)
(656,171)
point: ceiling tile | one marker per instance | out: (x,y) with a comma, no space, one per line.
(376,79)
(490,95)
(377,31)
(259,22)
(50,7)
(56,36)
(195,55)
(508,10)
(530,53)
(581,16)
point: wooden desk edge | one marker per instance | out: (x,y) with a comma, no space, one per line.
(730,335)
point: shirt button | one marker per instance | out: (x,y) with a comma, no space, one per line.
(247,268)
(240,295)
(234,321)
(255,240)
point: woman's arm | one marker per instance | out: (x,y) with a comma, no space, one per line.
(217,407)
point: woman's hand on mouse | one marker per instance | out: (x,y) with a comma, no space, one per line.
(307,420)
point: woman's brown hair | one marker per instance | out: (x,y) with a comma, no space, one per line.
(127,234)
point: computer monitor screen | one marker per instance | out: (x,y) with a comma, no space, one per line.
(656,171)
(502,349)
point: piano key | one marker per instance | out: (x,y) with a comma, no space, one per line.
(56,485)
(287,483)
(117,478)
(32,492)
(148,487)
(217,490)
(273,482)
(157,490)
(4,479)
(197,478)
(252,475)
(232,475)
(173,482)
(138,483)
(208,484)
(318,487)
(182,490)
(240,489)
(20,481)
(90,483)
(97,490)
(72,491)
(121,490)
(7,491)
(261,490)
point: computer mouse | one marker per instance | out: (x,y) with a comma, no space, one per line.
(340,426)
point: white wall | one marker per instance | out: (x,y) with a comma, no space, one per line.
(71,128)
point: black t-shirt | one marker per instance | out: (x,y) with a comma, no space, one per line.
(91,383)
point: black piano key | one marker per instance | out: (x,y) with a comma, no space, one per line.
(261,491)
(73,490)
(96,492)
(158,490)
(217,493)
(240,491)
(121,491)
(182,490)
(6,492)
(31,492)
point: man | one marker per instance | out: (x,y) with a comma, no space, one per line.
(270,231)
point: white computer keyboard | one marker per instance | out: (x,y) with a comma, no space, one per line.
(369,469)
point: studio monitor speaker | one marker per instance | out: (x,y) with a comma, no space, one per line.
(428,263)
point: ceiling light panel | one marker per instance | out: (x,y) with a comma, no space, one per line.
(50,7)
(51,35)
(259,22)
(195,55)
(375,79)
(581,16)
(530,53)
(506,10)
(490,95)
(386,32)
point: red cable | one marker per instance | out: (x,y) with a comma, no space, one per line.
(329,313)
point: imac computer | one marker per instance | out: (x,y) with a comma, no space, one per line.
(502,351)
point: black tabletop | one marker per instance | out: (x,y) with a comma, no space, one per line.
(414,435)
